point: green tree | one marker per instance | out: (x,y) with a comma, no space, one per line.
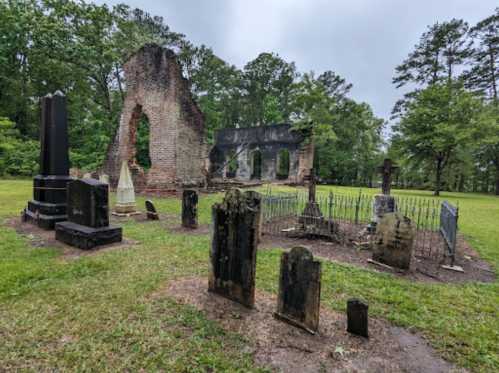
(483,75)
(268,76)
(436,122)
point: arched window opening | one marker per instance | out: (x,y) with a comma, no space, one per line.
(283,164)
(232,164)
(256,165)
(142,154)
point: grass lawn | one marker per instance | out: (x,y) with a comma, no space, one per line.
(99,312)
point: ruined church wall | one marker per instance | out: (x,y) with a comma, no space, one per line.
(156,88)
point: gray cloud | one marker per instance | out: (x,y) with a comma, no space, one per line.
(362,40)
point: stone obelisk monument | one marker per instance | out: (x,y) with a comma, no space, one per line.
(50,186)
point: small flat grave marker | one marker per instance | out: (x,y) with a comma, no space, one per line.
(151,211)
(299,289)
(357,315)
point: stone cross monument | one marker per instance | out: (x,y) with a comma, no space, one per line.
(386,170)
(50,186)
(384,203)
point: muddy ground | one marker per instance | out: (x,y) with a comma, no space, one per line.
(427,269)
(278,345)
(423,268)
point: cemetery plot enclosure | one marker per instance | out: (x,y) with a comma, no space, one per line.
(344,218)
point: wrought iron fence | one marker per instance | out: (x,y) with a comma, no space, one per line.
(345,216)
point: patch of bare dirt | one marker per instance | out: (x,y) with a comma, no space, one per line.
(426,269)
(283,347)
(41,238)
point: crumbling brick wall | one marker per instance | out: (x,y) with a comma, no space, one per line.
(155,87)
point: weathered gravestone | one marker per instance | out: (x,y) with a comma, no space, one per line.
(125,193)
(189,209)
(233,251)
(152,214)
(88,216)
(312,213)
(357,317)
(50,186)
(299,289)
(394,241)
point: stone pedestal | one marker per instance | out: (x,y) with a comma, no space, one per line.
(394,241)
(299,289)
(88,216)
(357,316)
(383,204)
(189,209)
(234,245)
(50,186)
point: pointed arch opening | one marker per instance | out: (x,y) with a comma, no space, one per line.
(256,165)
(282,164)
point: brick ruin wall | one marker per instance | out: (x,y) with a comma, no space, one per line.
(155,87)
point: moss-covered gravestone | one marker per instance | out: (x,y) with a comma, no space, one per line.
(299,289)
(189,209)
(394,241)
(233,251)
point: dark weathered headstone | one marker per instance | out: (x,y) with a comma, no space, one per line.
(236,224)
(88,214)
(357,317)
(299,289)
(50,186)
(190,209)
(394,241)
(152,214)
(386,170)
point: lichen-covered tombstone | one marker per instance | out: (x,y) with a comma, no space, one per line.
(299,289)
(236,223)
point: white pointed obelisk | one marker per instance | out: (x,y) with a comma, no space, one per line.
(125,194)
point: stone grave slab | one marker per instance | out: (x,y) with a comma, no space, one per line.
(357,317)
(234,244)
(189,209)
(394,241)
(299,289)
(88,214)
(152,214)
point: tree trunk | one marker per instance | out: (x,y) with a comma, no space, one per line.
(497,175)
(438,179)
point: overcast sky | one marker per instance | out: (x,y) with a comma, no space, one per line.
(362,40)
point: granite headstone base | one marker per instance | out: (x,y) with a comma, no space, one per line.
(49,204)
(86,238)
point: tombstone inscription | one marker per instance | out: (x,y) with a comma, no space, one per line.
(88,216)
(50,186)
(299,289)
(234,244)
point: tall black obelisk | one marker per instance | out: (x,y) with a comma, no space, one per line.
(50,186)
